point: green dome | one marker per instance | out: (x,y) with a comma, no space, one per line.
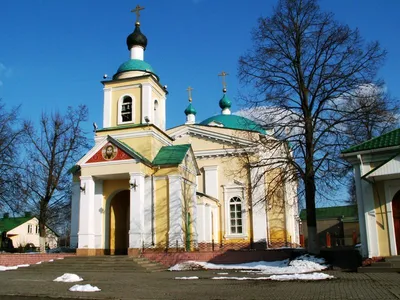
(225,102)
(136,38)
(190,110)
(233,122)
(136,65)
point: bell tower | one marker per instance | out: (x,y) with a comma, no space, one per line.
(135,95)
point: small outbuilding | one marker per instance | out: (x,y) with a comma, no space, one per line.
(376,164)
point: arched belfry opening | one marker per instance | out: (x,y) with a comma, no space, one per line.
(396,219)
(119,223)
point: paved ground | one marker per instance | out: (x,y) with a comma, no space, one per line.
(28,283)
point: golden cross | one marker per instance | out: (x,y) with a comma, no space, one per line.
(223,75)
(137,10)
(189,89)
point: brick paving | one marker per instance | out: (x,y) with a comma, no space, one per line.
(36,283)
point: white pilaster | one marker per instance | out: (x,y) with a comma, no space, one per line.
(98,215)
(147,102)
(75,214)
(211,181)
(195,222)
(136,220)
(107,107)
(176,233)
(86,222)
(201,223)
(207,224)
(369,213)
(148,211)
(361,215)
(137,52)
(258,198)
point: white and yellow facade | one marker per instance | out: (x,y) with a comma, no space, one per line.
(192,187)
(376,165)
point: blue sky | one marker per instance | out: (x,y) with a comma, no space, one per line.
(54,53)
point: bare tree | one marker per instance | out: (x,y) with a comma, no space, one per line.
(52,150)
(303,65)
(10,150)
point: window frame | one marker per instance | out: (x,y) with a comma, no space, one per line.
(30,229)
(231,192)
(120,111)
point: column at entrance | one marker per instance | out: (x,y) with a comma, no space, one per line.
(75,214)
(86,234)
(136,216)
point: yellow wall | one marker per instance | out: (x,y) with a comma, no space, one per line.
(381,219)
(161,212)
(276,209)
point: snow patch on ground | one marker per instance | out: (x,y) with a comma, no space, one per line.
(187,278)
(311,276)
(4,268)
(68,277)
(302,264)
(84,288)
(23,266)
(223,273)
(239,278)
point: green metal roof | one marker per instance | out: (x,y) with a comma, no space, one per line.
(136,65)
(389,139)
(190,110)
(234,122)
(171,155)
(7,224)
(348,212)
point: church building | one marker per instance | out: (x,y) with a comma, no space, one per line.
(194,187)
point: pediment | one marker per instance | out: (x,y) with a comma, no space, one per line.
(111,150)
(207,136)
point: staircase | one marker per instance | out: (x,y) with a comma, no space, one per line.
(389,265)
(106,264)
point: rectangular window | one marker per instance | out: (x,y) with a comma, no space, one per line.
(37,229)
(29,228)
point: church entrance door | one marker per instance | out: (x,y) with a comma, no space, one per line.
(396,219)
(119,223)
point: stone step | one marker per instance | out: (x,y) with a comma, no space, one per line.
(378,270)
(393,259)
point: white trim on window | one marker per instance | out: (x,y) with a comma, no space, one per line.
(131,108)
(235,193)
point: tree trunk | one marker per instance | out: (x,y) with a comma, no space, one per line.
(313,243)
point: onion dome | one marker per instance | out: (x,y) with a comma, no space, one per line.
(190,110)
(136,38)
(135,65)
(225,102)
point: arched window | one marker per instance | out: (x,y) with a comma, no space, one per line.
(155,112)
(126,109)
(235,213)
